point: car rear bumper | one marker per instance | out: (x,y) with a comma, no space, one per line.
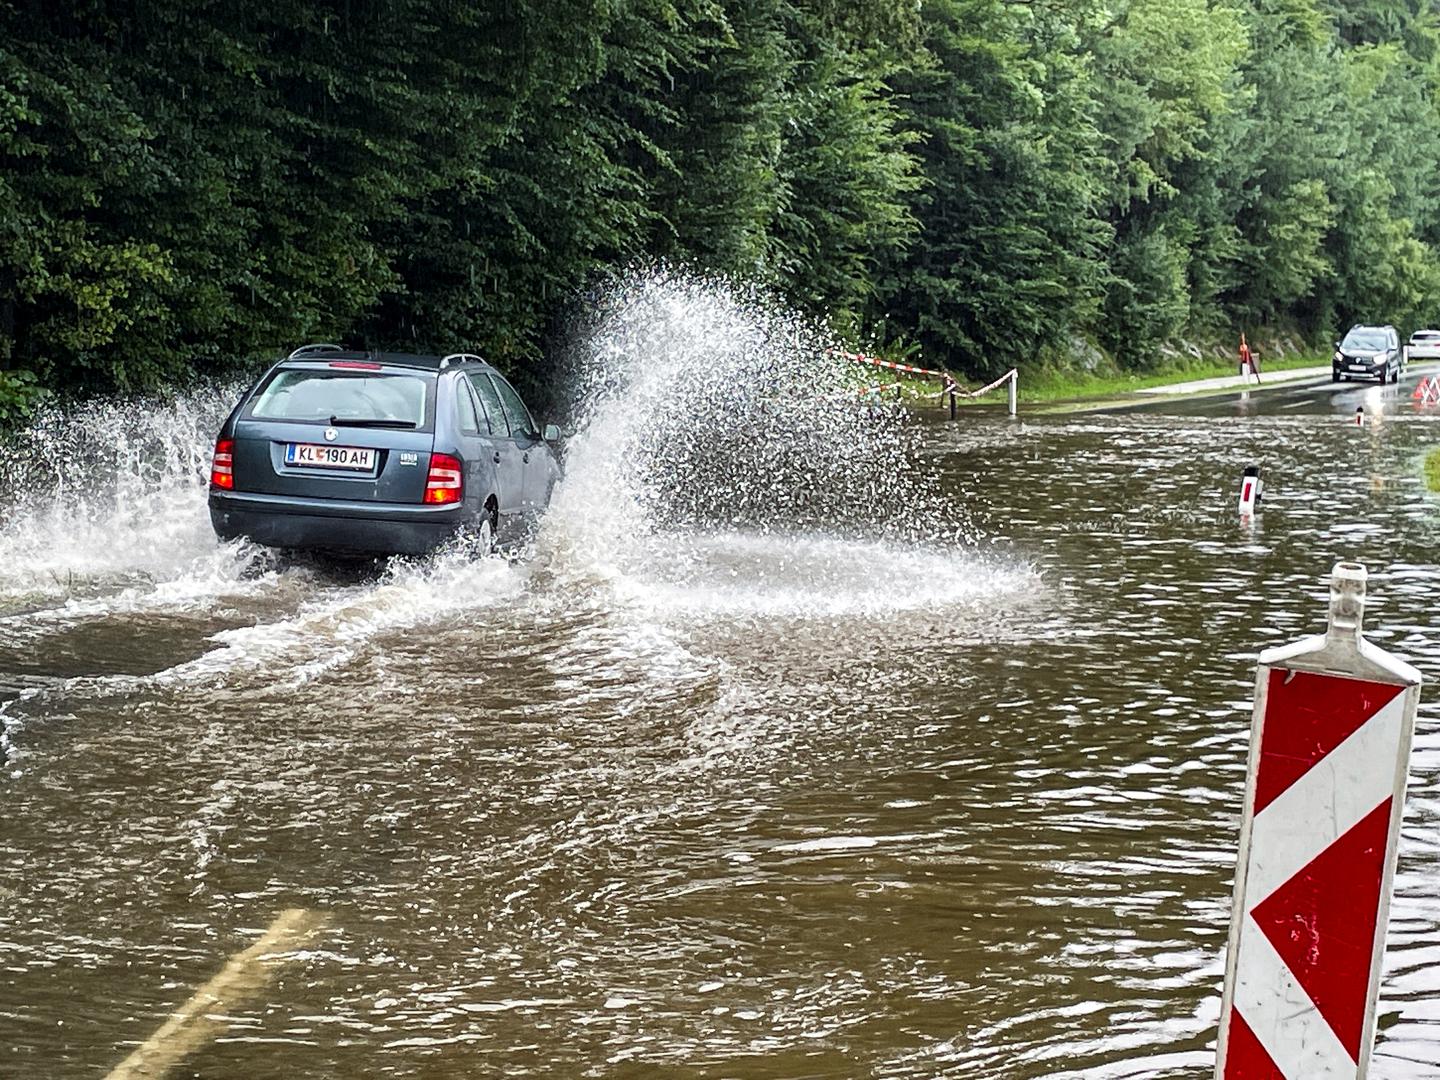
(330,525)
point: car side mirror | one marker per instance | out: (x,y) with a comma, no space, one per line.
(551,433)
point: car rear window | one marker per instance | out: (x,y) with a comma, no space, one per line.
(314,396)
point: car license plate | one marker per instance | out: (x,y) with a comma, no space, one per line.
(310,455)
(1359,367)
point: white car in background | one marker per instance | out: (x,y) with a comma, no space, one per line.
(1424,345)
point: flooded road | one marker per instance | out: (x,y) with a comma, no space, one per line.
(814,801)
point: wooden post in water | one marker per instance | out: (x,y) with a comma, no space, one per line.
(1014,389)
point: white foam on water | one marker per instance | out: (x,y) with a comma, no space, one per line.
(230,573)
(335,625)
(812,576)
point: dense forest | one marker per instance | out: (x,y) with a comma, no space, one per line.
(185,183)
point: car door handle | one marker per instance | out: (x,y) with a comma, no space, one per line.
(497,457)
(525,458)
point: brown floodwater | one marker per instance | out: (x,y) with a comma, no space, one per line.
(803,802)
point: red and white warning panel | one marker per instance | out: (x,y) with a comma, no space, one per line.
(1329,752)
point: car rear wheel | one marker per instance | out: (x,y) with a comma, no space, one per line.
(483,532)
(476,539)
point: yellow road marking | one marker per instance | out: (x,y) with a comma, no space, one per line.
(205,1015)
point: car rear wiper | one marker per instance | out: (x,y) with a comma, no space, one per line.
(370,421)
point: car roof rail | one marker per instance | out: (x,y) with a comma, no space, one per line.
(319,347)
(460,357)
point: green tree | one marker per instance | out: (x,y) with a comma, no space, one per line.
(1008,259)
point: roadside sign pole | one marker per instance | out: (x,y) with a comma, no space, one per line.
(1329,752)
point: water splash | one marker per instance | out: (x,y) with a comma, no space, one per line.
(707,404)
(110,496)
(723,460)
(723,468)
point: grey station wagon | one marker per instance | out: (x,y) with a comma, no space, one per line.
(371,454)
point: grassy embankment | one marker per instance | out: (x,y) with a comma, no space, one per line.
(1432,470)
(1066,385)
(1043,385)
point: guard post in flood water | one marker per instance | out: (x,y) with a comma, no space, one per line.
(1251,489)
(1329,751)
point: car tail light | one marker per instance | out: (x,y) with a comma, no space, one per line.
(222,466)
(445,484)
(356,365)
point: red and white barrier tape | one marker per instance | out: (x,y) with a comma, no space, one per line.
(950,385)
(986,389)
(861,358)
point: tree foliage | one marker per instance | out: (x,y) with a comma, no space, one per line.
(184,185)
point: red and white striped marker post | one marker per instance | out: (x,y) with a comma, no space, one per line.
(1329,751)
(1251,487)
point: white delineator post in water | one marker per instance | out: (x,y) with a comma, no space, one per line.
(1329,751)
(1251,487)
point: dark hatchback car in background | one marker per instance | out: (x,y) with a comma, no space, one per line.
(1368,352)
(370,454)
